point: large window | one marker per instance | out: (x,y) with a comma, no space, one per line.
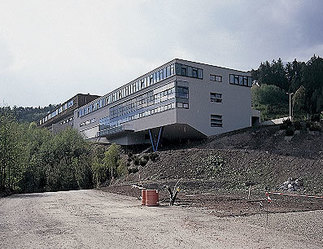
(216,120)
(240,80)
(216,97)
(182,92)
(188,71)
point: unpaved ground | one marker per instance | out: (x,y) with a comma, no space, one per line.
(223,203)
(96,219)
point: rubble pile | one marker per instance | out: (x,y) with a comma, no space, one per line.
(293,184)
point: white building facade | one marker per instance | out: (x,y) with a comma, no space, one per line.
(179,100)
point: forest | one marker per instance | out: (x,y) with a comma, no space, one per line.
(275,80)
(33,159)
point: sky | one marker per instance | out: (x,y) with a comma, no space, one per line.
(52,50)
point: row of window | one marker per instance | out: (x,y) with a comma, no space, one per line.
(145,105)
(106,123)
(87,122)
(216,97)
(129,89)
(67,120)
(57,111)
(142,101)
(216,120)
(214,77)
(188,71)
(240,80)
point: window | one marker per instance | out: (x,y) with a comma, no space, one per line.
(216,97)
(214,77)
(195,73)
(216,120)
(240,80)
(188,71)
(182,92)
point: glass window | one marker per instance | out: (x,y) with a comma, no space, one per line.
(216,120)
(216,97)
(172,69)
(236,79)
(241,80)
(200,73)
(189,72)
(162,73)
(195,73)
(168,71)
(183,70)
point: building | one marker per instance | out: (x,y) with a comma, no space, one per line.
(178,100)
(63,116)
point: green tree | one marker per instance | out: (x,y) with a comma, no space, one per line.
(111,159)
(270,100)
(299,102)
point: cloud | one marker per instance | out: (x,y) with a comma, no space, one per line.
(51,50)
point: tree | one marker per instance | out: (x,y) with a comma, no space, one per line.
(111,159)
(270,100)
(299,101)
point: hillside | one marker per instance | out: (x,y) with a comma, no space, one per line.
(215,171)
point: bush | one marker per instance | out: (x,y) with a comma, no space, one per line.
(136,161)
(143,161)
(133,170)
(146,157)
(297,125)
(286,123)
(315,117)
(289,131)
(315,127)
(153,156)
(308,124)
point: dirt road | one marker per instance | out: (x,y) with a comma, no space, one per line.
(96,219)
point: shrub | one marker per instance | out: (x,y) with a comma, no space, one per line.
(143,161)
(297,125)
(153,156)
(315,127)
(136,161)
(133,170)
(146,157)
(315,117)
(308,124)
(286,123)
(289,131)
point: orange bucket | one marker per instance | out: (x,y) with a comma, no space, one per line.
(143,196)
(152,197)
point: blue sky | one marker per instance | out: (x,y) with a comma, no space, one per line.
(51,50)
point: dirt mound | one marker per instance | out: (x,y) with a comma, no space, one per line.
(259,155)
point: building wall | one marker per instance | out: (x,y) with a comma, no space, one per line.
(235,107)
(180,115)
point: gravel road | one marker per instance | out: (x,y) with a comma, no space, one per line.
(96,219)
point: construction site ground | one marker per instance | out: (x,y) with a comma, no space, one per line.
(213,173)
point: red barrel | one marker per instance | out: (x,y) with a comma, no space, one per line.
(152,197)
(143,196)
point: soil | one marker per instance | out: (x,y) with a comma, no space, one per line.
(96,219)
(213,173)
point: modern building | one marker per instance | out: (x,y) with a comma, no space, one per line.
(63,116)
(178,100)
